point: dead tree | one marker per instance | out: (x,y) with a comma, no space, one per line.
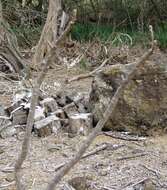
(50,31)
(10,57)
(35,91)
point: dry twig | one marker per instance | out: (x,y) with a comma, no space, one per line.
(122,136)
(91,74)
(132,156)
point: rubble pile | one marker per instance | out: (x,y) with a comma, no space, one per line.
(64,111)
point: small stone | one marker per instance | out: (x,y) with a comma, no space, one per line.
(20,135)
(103,173)
(79,183)
(56,125)
(148,185)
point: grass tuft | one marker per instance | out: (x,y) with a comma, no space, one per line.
(87,32)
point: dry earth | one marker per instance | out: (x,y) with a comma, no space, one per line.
(121,169)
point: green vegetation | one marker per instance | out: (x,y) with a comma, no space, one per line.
(87,32)
(113,20)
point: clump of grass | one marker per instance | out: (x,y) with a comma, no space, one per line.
(28,36)
(161,36)
(87,32)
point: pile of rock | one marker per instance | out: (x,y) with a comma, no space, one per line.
(64,111)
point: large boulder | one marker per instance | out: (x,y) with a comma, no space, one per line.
(143,106)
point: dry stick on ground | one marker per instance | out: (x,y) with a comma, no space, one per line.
(97,150)
(91,74)
(132,156)
(121,136)
(107,114)
(34,99)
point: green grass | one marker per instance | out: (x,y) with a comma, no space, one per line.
(88,32)
(161,36)
(28,36)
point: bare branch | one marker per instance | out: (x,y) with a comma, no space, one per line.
(33,103)
(107,114)
(90,74)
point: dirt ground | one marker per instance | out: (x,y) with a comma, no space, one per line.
(122,169)
(109,169)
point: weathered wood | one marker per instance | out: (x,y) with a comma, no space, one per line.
(19,117)
(59,113)
(50,105)
(45,127)
(70,109)
(49,32)
(81,123)
(11,108)
(39,113)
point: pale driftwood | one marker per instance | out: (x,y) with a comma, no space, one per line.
(122,136)
(109,113)
(44,127)
(132,156)
(33,103)
(133,184)
(104,146)
(64,22)
(91,74)
(80,124)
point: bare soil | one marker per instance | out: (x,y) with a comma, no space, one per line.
(107,170)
